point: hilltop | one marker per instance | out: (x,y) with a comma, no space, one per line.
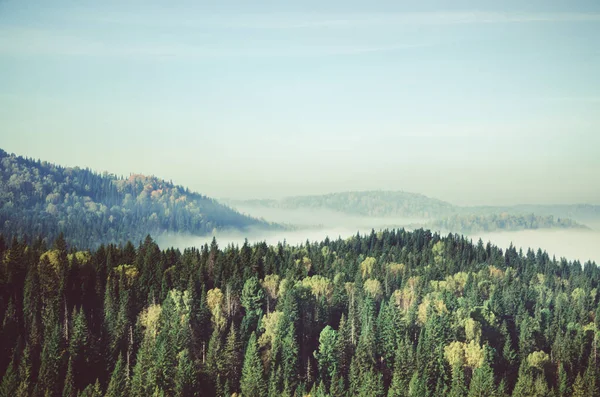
(38,198)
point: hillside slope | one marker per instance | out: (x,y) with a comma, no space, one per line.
(471,223)
(417,210)
(367,203)
(39,198)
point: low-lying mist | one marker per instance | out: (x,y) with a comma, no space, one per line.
(324,218)
(568,243)
(312,225)
(316,225)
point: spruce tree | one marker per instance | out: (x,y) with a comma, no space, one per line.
(458,388)
(579,387)
(118,380)
(69,389)
(482,383)
(325,355)
(10,382)
(186,384)
(563,384)
(252,383)
(232,359)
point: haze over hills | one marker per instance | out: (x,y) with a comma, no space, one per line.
(43,199)
(400,208)
(363,203)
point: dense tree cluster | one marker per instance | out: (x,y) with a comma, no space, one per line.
(39,198)
(393,313)
(504,221)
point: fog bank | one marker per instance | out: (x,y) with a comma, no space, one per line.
(568,243)
(571,244)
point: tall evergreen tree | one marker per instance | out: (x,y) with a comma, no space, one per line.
(253,383)
(186,384)
(118,381)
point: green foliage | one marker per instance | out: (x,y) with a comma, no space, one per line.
(482,383)
(500,323)
(92,390)
(118,381)
(10,382)
(186,384)
(326,356)
(252,383)
(92,209)
(474,223)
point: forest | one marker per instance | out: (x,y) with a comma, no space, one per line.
(404,209)
(363,203)
(503,222)
(391,313)
(38,198)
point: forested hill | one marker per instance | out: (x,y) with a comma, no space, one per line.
(431,212)
(39,198)
(367,203)
(582,213)
(506,222)
(394,314)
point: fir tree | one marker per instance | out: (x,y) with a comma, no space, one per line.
(69,389)
(118,380)
(10,382)
(252,383)
(482,384)
(186,384)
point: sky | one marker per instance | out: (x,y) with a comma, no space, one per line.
(474,102)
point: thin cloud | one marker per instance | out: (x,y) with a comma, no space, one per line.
(32,42)
(341,21)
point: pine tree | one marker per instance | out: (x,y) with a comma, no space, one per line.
(403,370)
(48,379)
(371,384)
(10,382)
(78,346)
(252,383)
(337,388)
(458,388)
(508,355)
(482,384)
(289,357)
(541,386)
(215,362)
(344,348)
(563,384)
(25,373)
(252,299)
(69,390)
(232,359)
(186,384)
(326,355)
(92,390)
(118,380)
(416,386)
(388,325)
(590,377)
(579,387)
(524,386)
(144,372)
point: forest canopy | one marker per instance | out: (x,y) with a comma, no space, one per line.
(40,198)
(390,313)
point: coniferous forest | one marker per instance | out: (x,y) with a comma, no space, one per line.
(38,198)
(391,313)
(299,198)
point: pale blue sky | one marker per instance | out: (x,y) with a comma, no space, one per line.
(472,102)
